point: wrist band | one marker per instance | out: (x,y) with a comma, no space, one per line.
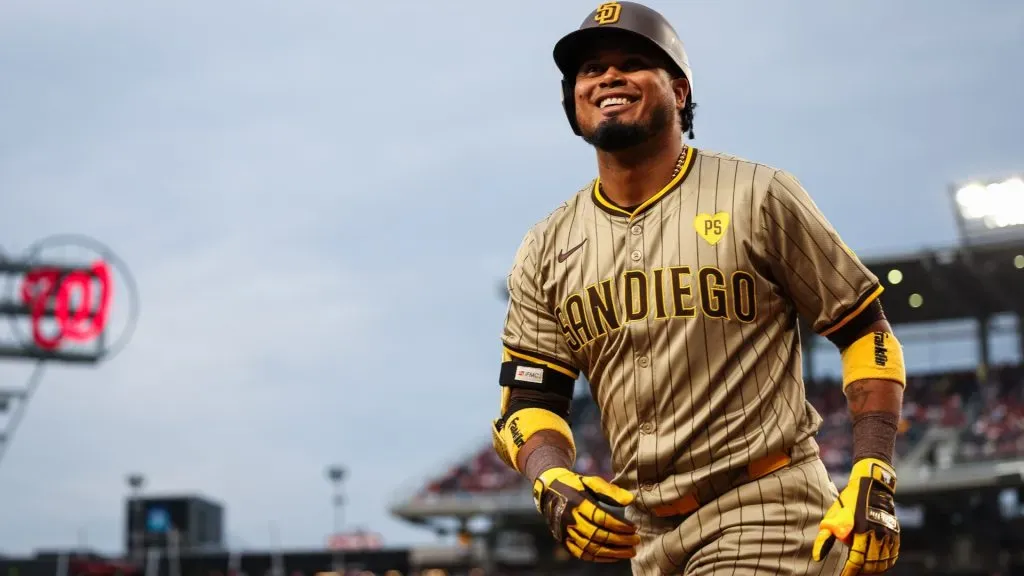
(874,436)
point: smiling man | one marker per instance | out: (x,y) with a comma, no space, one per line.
(672,282)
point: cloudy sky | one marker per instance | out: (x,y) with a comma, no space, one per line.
(317,199)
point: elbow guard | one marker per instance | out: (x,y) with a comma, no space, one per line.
(534,398)
(875,355)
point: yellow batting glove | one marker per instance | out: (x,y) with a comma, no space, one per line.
(570,504)
(863,518)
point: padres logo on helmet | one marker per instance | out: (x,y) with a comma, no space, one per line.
(608,13)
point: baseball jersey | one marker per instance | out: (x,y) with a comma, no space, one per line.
(682,315)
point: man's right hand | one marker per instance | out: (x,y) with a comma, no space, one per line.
(569,503)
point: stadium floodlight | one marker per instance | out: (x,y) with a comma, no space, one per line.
(995,204)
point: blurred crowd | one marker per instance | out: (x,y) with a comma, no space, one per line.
(987,407)
(997,431)
(928,400)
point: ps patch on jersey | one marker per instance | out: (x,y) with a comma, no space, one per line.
(530,374)
(711,227)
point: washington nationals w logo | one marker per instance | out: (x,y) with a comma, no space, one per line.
(80,301)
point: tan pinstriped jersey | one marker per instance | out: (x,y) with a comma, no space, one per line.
(682,315)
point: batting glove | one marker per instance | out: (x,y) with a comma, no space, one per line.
(570,504)
(863,518)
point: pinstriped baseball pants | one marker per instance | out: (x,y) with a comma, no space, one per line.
(763,527)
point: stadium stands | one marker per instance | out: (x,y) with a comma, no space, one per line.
(484,472)
(987,410)
(997,431)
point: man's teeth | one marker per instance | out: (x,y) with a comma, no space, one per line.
(613,101)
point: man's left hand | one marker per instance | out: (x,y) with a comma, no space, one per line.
(863,518)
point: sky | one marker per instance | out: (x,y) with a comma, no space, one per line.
(319,198)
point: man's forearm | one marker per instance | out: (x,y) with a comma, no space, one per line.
(875,407)
(544,450)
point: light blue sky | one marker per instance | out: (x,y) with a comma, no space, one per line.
(363,172)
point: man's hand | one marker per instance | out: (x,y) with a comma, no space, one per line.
(863,518)
(569,503)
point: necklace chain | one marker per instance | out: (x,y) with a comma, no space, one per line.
(679,166)
(679,163)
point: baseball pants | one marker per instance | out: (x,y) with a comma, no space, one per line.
(766,526)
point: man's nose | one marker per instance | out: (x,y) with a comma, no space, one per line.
(612,77)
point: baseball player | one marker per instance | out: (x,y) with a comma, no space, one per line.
(673,282)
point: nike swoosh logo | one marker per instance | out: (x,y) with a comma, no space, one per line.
(563,254)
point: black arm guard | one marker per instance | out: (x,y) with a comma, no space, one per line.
(857,325)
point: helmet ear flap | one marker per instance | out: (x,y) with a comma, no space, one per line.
(569,103)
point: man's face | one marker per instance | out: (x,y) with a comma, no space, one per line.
(625,96)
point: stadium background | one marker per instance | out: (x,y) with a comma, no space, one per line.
(961,447)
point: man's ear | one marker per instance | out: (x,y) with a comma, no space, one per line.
(681,88)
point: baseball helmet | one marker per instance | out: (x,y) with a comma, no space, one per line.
(613,20)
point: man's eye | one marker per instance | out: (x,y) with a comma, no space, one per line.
(591,69)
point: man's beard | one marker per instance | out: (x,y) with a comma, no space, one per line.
(613,135)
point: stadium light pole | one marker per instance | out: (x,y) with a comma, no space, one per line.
(136,482)
(336,474)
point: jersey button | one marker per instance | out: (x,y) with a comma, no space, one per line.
(643,361)
(646,428)
(636,255)
(636,230)
(647,486)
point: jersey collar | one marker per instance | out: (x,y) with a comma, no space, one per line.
(610,207)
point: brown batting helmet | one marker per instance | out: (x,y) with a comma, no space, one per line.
(603,25)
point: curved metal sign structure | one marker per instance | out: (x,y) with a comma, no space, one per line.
(62,309)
